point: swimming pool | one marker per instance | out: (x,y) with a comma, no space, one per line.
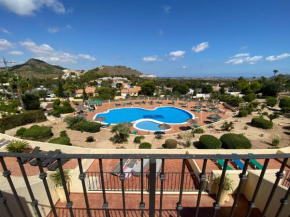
(169,115)
(148,125)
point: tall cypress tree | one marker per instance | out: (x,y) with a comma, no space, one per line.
(60,92)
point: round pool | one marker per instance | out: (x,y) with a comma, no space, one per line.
(169,115)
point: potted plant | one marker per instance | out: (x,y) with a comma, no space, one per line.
(55,177)
(226,188)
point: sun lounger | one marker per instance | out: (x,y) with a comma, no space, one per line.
(238,162)
(2,140)
(105,126)
(128,168)
(49,161)
(54,166)
(6,142)
(27,159)
(34,162)
(221,163)
(256,164)
(116,170)
(196,125)
(134,132)
(136,171)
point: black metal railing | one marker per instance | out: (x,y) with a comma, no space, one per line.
(286,179)
(133,182)
(149,209)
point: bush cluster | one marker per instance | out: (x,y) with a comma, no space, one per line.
(71,121)
(235,141)
(243,113)
(209,142)
(170,144)
(89,127)
(64,109)
(271,101)
(145,145)
(138,139)
(20,131)
(62,140)
(250,97)
(38,133)
(24,118)
(284,104)
(199,131)
(249,109)
(262,123)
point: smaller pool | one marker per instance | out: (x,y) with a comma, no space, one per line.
(148,126)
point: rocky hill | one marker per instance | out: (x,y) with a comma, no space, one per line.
(36,68)
(118,70)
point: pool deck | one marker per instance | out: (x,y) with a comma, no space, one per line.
(201,118)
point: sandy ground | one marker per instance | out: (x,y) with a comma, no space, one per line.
(261,139)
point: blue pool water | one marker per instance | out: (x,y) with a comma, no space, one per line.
(148,125)
(170,115)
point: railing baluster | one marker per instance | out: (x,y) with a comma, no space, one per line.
(179,204)
(3,200)
(142,204)
(152,186)
(283,202)
(279,176)
(69,203)
(216,204)
(243,177)
(202,180)
(43,176)
(105,202)
(34,202)
(162,178)
(7,174)
(122,178)
(252,202)
(82,177)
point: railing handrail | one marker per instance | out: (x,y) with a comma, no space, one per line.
(147,156)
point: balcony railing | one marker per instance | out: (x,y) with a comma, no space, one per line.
(144,209)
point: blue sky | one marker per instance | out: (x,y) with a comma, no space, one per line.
(166,38)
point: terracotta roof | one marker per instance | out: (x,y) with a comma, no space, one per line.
(88,90)
(131,90)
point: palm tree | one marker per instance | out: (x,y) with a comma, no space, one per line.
(121,132)
(15,79)
(275,71)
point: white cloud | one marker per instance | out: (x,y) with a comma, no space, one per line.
(17,53)
(279,57)
(176,55)
(243,58)
(184,67)
(5,45)
(47,53)
(243,48)
(5,30)
(242,55)
(201,47)
(53,30)
(167,9)
(153,58)
(29,7)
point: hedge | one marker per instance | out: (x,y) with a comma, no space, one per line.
(243,113)
(89,127)
(209,142)
(24,118)
(262,123)
(38,133)
(235,141)
(62,140)
(145,145)
(20,131)
(170,144)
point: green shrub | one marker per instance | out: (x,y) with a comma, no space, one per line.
(250,97)
(243,113)
(273,116)
(61,109)
(90,139)
(158,136)
(254,104)
(71,121)
(11,107)
(227,126)
(209,142)
(271,101)
(145,145)
(20,131)
(187,143)
(249,109)
(284,103)
(138,139)
(63,134)
(31,101)
(199,131)
(62,140)
(262,123)
(89,127)
(170,144)
(38,133)
(24,118)
(235,141)
(17,146)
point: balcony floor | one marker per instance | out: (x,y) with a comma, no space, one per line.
(169,204)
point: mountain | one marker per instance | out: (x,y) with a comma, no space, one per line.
(118,70)
(36,68)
